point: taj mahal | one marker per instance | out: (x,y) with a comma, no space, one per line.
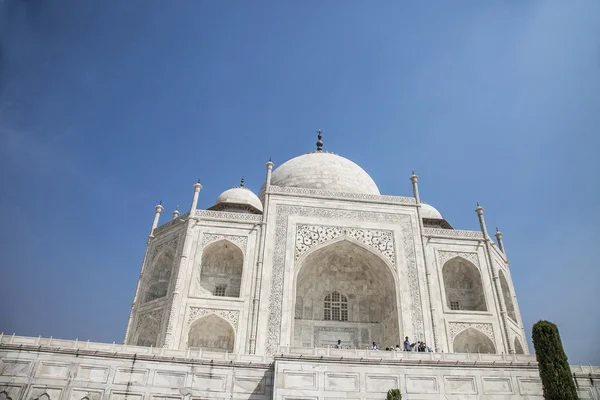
(294,293)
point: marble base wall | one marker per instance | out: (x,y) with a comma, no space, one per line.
(334,378)
(52,369)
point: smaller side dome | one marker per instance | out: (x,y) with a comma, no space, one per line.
(238,199)
(432,218)
(429,212)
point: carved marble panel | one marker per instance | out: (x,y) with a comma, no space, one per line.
(455,328)
(444,256)
(118,395)
(282,214)
(131,376)
(229,315)
(452,233)
(341,195)
(10,392)
(84,393)
(238,240)
(497,385)
(208,214)
(44,392)
(14,367)
(381,383)
(154,314)
(169,242)
(308,236)
(422,384)
(52,370)
(92,373)
(169,379)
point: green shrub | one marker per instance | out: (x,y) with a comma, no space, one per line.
(394,394)
(555,371)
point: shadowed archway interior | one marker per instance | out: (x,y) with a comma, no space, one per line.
(462,282)
(508,301)
(518,347)
(221,271)
(473,341)
(157,282)
(211,333)
(147,334)
(345,292)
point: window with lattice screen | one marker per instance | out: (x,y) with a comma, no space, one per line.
(220,291)
(335,307)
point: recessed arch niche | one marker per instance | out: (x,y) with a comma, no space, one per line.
(463,285)
(345,292)
(221,270)
(147,333)
(473,341)
(4,395)
(518,347)
(157,281)
(211,333)
(508,301)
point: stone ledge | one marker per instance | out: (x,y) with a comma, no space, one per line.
(452,233)
(411,362)
(332,195)
(236,360)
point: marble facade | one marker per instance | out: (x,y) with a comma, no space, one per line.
(246,299)
(51,369)
(372,250)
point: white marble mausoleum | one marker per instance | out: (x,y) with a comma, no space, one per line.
(246,300)
(319,255)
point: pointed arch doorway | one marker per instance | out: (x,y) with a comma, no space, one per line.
(344,291)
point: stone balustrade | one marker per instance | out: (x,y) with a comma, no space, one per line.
(315,353)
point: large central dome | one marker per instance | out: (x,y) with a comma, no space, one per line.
(326,171)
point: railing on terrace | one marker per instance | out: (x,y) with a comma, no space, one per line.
(324,353)
(113,349)
(381,355)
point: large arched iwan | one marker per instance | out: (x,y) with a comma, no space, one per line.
(344,291)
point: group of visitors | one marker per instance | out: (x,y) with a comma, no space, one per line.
(417,346)
(408,346)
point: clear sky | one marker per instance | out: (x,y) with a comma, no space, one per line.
(108,107)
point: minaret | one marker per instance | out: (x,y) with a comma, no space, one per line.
(197,188)
(174,318)
(157,210)
(259,263)
(496,285)
(176,213)
(500,242)
(415,179)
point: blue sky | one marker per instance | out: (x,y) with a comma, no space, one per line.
(107,108)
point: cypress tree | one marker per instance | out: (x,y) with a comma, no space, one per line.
(555,371)
(394,394)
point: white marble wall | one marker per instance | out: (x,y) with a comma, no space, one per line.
(385,226)
(51,369)
(342,375)
(67,370)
